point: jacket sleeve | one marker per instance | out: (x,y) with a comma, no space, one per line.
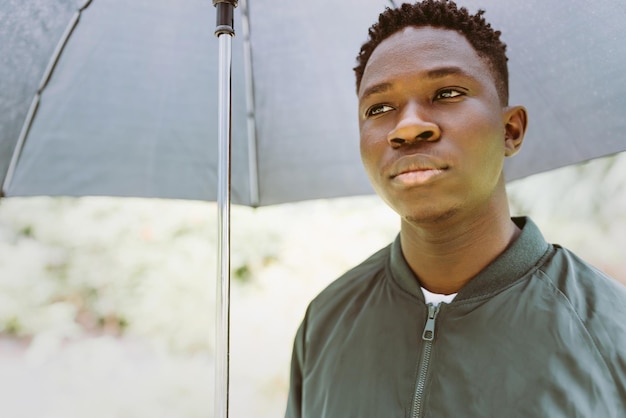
(600,303)
(294,400)
(608,329)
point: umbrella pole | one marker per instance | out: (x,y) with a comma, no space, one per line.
(224,32)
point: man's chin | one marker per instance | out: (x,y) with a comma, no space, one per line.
(428,216)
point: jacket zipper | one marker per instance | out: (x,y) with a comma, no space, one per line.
(428,336)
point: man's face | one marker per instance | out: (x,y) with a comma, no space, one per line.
(432,127)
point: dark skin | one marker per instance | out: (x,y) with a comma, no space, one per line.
(434,135)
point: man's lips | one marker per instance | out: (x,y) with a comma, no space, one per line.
(417,166)
(416,178)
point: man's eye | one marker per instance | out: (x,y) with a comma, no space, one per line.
(378,110)
(449,94)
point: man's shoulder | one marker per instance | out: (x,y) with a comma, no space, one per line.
(599,303)
(598,300)
(580,281)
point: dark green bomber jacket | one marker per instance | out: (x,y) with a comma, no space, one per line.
(537,333)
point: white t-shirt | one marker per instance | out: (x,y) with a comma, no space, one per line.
(437,298)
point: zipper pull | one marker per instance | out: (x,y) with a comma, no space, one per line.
(429,329)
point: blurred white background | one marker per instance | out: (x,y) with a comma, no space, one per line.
(107,304)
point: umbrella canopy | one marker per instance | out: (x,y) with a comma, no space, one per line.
(128,107)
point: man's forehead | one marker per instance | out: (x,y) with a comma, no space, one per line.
(431,52)
(430,42)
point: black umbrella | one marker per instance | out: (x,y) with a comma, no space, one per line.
(107,97)
(130,109)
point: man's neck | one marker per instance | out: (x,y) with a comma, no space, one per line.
(447,255)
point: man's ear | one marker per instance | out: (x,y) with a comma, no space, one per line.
(515,122)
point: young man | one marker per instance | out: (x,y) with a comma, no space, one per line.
(469,313)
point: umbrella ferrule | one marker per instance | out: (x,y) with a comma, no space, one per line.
(225,11)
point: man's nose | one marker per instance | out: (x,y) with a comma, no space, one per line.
(413,126)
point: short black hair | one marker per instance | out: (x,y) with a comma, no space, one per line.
(442,14)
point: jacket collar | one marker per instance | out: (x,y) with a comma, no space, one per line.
(522,256)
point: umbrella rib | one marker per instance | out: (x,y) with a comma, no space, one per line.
(32,111)
(251,122)
(20,144)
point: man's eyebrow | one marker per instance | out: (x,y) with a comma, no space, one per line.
(446,71)
(376,89)
(430,74)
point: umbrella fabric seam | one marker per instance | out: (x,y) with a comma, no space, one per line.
(251,123)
